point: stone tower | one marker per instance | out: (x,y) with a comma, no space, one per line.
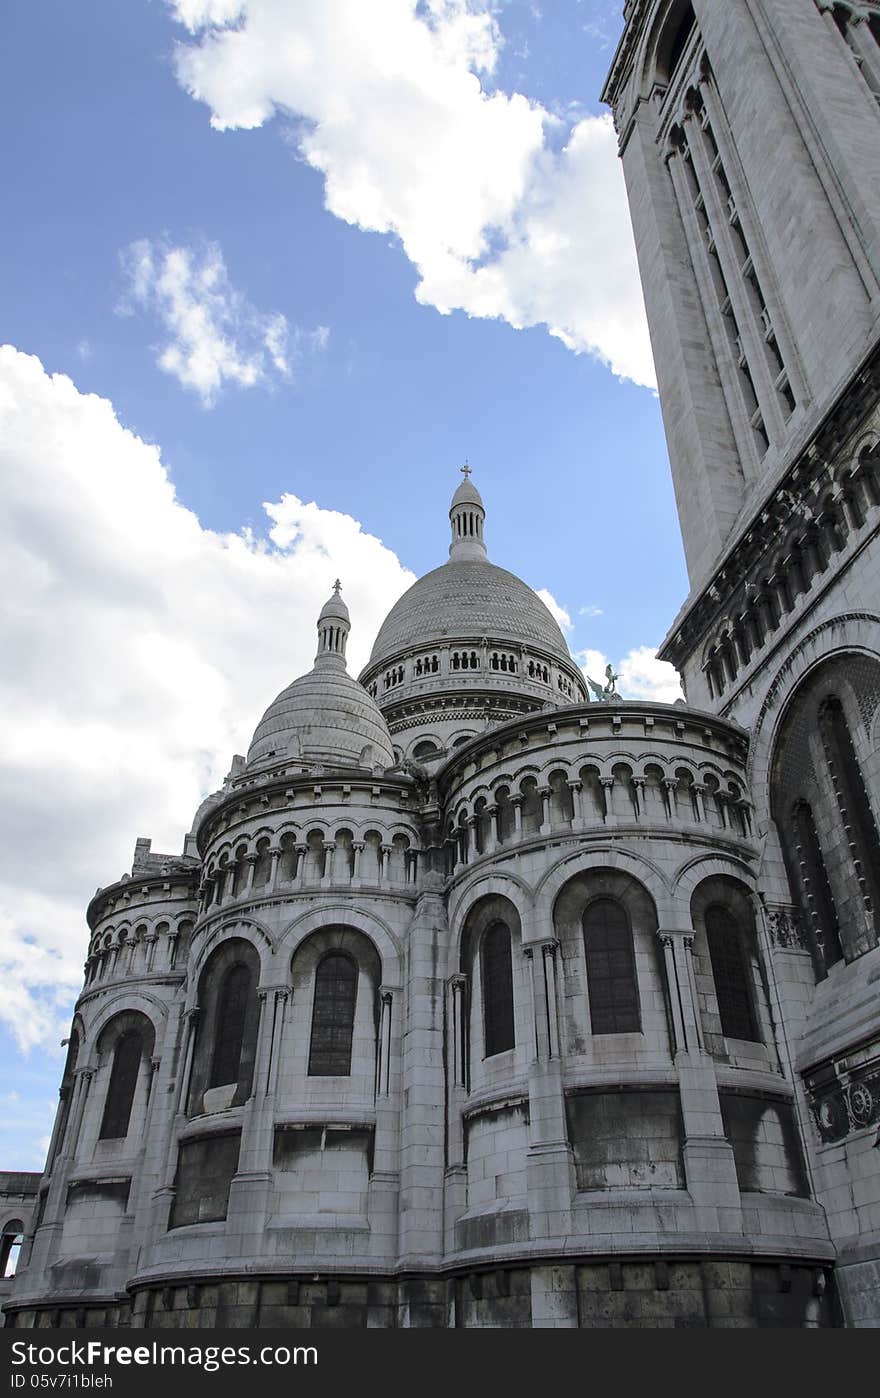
(750,141)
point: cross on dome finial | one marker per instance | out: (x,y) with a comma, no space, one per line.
(466,469)
(337,587)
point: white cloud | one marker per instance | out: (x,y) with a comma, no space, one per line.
(590,611)
(643,676)
(640,674)
(215,335)
(503,211)
(555,608)
(139,651)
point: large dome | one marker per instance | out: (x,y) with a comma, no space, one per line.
(465,598)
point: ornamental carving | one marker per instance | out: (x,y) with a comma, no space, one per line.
(844,1095)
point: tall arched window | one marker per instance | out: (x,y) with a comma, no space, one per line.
(232,1008)
(228,1021)
(817,898)
(731,973)
(11,1240)
(123,1083)
(852,800)
(333,1010)
(611,968)
(496,968)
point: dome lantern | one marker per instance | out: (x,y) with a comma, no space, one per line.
(334,625)
(467,515)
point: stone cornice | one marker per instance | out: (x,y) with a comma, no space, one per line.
(776,520)
(253,796)
(635,21)
(187,874)
(594,721)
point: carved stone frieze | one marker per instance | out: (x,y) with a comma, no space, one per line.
(844,1095)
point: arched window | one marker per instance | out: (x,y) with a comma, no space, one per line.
(226,1037)
(10,1244)
(123,1082)
(611,968)
(232,1008)
(496,968)
(852,800)
(333,1010)
(731,973)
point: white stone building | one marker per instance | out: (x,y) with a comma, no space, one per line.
(472,1003)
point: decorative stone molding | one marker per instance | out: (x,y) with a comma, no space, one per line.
(844,1094)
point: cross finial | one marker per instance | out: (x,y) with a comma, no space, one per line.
(465,469)
(337,586)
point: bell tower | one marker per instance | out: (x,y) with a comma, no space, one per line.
(750,141)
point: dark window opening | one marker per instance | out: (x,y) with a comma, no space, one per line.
(231,1017)
(497,975)
(731,974)
(611,969)
(123,1082)
(333,1016)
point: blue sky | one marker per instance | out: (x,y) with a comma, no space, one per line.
(236,245)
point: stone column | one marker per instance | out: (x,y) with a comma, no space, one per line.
(708,1156)
(455,1182)
(251,1184)
(544,793)
(358,846)
(549,1162)
(82,1084)
(150,950)
(275,857)
(383,868)
(517,802)
(492,833)
(607,785)
(576,787)
(251,861)
(191,1018)
(383,1043)
(472,852)
(699,794)
(670,787)
(422,1135)
(384,1188)
(638,785)
(327,872)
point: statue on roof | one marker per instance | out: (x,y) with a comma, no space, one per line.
(607,691)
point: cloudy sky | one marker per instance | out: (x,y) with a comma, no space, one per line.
(270,270)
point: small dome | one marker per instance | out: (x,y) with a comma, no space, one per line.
(334,608)
(324,717)
(467,494)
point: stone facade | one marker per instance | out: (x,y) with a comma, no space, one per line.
(750,138)
(430,1024)
(471,1003)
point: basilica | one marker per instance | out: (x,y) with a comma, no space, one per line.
(472,1000)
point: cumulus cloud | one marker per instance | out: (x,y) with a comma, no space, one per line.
(504,210)
(215,336)
(140,650)
(640,674)
(555,608)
